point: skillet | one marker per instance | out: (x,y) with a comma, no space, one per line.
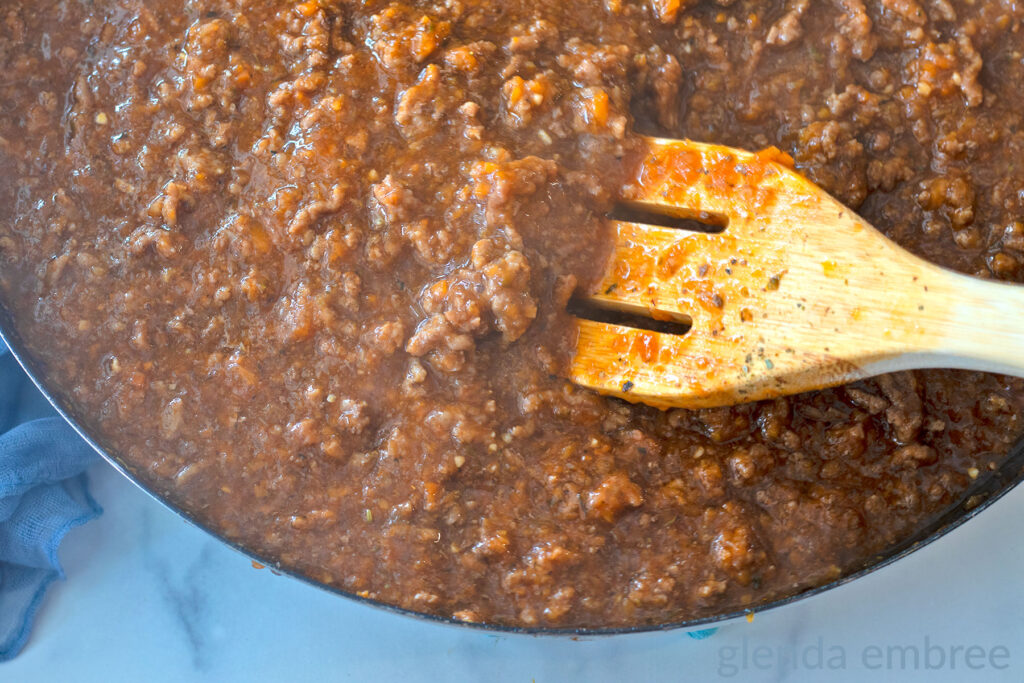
(985,491)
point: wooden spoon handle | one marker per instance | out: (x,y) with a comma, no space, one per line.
(977,325)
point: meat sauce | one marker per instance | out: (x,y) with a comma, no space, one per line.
(304,266)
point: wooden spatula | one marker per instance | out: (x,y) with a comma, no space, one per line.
(795,293)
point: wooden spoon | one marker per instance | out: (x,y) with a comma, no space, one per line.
(796,293)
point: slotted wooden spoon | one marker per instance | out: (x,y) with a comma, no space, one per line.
(796,293)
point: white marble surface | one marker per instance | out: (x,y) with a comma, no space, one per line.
(150,598)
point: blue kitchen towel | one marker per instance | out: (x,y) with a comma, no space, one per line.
(703,635)
(43,494)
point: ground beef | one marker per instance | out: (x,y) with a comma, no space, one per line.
(319,253)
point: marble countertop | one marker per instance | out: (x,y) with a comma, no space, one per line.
(149,597)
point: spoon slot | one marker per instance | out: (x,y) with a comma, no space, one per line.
(624,315)
(676,218)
